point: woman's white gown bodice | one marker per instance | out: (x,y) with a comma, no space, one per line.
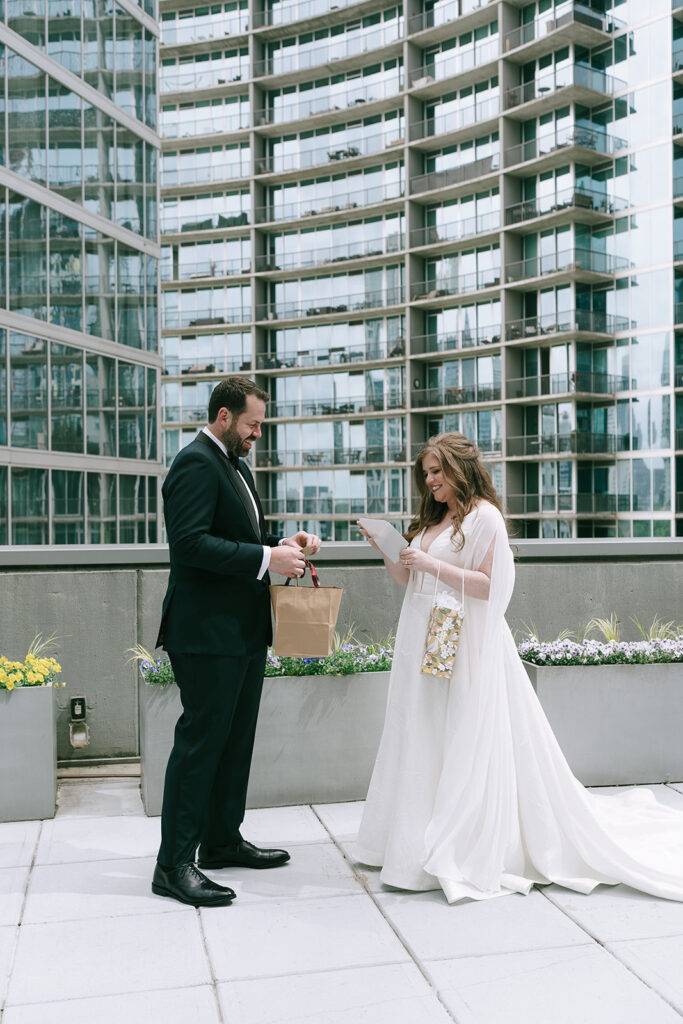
(470,791)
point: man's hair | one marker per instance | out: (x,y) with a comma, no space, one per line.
(231,394)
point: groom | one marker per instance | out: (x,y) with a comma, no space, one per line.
(216,628)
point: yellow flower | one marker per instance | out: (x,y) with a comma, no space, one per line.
(32,677)
(10,684)
(3,676)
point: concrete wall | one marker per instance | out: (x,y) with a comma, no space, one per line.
(112,599)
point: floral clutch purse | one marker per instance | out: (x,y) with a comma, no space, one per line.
(443,632)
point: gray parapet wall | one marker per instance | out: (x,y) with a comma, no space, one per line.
(102,601)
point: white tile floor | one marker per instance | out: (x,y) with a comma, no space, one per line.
(319,941)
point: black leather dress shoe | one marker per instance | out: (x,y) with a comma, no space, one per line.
(240,854)
(188,885)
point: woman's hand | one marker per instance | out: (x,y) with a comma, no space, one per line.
(367,535)
(418,561)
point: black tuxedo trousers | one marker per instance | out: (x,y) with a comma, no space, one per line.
(208,770)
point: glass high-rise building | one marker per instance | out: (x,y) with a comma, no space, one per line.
(444,215)
(79,257)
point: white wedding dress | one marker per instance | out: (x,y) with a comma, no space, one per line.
(470,791)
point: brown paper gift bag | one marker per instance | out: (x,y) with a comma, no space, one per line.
(305,618)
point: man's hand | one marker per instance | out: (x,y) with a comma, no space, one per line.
(310,542)
(288,560)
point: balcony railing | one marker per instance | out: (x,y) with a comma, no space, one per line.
(569,260)
(579,381)
(468,337)
(331,254)
(343,149)
(330,456)
(586,138)
(455,175)
(184,413)
(337,406)
(531,504)
(456,229)
(435,397)
(565,14)
(313,107)
(333,203)
(577,74)
(200,174)
(330,505)
(460,285)
(577,442)
(323,306)
(217,123)
(463,117)
(573,320)
(328,50)
(331,356)
(455,62)
(566,199)
(285,13)
(444,13)
(195,364)
(183,81)
(202,269)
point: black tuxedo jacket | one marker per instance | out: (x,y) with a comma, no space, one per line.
(214,603)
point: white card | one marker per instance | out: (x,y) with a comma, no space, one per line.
(390,542)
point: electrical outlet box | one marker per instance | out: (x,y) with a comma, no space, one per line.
(77,706)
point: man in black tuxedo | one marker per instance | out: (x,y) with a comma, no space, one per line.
(216,628)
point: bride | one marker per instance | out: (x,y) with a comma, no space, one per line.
(470,791)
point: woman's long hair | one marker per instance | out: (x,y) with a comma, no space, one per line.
(463,470)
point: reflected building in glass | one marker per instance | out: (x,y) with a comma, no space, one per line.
(79,257)
(450,215)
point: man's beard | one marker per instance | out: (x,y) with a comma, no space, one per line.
(234,443)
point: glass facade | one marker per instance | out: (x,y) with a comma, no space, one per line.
(448,215)
(80,456)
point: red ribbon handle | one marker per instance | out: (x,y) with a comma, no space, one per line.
(314,575)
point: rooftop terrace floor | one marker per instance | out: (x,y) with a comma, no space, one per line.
(318,941)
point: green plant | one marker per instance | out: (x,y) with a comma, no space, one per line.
(35,670)
(609,628)
(658,630)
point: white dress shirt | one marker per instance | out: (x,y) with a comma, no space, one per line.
(266,550)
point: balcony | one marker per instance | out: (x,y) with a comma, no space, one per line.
(319,457)
(580,264)
(468,337)
(469,13)
(326,306)
(184,413)
(576,321)
(332,506)
(573,23)
(461,285)
(213,365)
(578,83)
(577,442)
(326,51)
(337,202)
(454,62)
(577,382)
(594,146)
(330,254)
(331,103)
(456,230)
(331,356)
(448,396)
(579,203)
(566,504)
(198,270)
(455,175)
(340,406)
(309,154)
(464,119)
(299,10)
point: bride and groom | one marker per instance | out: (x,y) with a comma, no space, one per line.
(470,792)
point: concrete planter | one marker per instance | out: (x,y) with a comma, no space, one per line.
(316,740)
(616,724)
(28,753)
